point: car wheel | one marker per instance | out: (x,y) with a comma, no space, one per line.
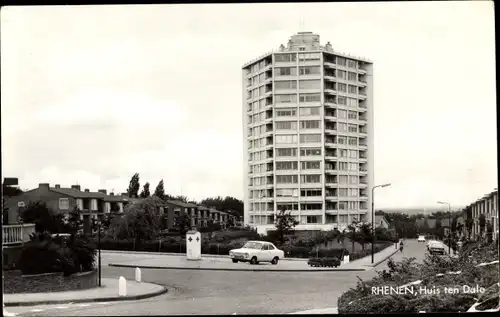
(275,260)
(254,260)
(235,261)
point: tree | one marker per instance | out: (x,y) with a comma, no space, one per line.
(74,222)
(223,204)
(160,190)
(133,187)
(145,191)
(43,218)
(184,199)
(365,234)
(469,223)
(140,221)
(182,222)
(285,224)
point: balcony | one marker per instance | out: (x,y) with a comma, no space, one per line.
(329,64)
(363,171)
(16,234)
(330,116)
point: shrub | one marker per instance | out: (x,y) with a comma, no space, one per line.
(361,300)
(83,252)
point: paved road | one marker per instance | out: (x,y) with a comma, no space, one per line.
(223,292)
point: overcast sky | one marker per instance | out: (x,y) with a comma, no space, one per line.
(93,94)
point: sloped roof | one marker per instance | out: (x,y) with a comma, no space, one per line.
(201,207)
(380,217)
(82,194)
(420,223)
(181,203)
(431,223)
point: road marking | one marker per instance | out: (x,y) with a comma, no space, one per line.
(83,305)
(37,310)
(103,303)
(62,307)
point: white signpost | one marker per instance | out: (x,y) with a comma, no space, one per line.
(193,245)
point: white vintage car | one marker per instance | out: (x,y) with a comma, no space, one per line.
(257,251)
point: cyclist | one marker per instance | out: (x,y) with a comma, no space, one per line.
(401,246)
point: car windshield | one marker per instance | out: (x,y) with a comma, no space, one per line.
(253,245)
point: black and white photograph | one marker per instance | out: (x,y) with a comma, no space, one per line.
(283,158)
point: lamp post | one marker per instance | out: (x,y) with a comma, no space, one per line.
(99,247)
(373,218)
(449,224)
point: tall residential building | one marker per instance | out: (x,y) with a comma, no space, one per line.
(308,136)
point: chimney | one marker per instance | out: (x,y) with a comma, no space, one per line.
(87,190)
(103,191)
(112,194)
(77,187)
(282,48)
(329,46)
(44,186)
(58,186)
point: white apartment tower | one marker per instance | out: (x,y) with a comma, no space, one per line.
(308,136)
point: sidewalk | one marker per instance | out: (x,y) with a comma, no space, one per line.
(107,293)
(179,262)
(321,311)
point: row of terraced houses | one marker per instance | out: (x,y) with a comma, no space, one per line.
(95,205)
(486,206)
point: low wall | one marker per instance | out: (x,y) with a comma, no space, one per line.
(15,282)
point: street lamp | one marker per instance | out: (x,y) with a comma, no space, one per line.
(449,224)
(98,222)
(373,217)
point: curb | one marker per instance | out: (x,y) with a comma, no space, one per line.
(89,300)
(183,254)
(378,262)
(230,270)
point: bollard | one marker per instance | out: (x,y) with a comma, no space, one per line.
(122,286)
(137,274)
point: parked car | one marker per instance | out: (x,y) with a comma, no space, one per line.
(436,248)
(421,239)
(257,251)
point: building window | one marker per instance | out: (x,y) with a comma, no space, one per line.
(309,111)
(287,192)
(341,100)
(353,89)
(342,140)
(285,71)
(310,179)
(353,141)
(286,125)
(351,64)
(343,153)
(341,74)
(288,112)
(343,206)
(342,87)
(352,76)
(341,61)
(342,114)
(353,153)
(310,138)
(342,127)
(310,84)
(289,206)
(286,84)
(309,70)
(353,179)
(287,179)
(342,166)
(309,97)
(287,152)
(310,152)
(63,203)
(353,115)
(311,193)
(286,166)
(353,166)
(310,165)
(289,98)
(310,124)
(353,128)
(342,192)
(343,179)
(304,57)
(353,205)
(353,192)
(286,139)
(352,102)
(285,58)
